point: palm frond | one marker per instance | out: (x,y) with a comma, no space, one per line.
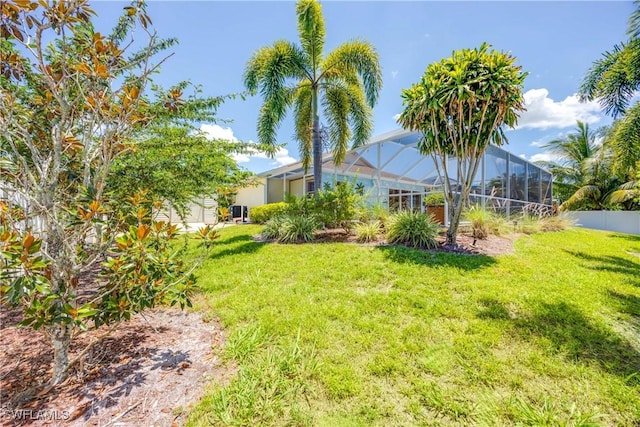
(625,141)
(614,79)
(336,108)
(357,58)
(311,30)
(360,116)
(271,66)
(302,112)
(271,114)
(586,193)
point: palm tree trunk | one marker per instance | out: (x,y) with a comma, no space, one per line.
(317,143)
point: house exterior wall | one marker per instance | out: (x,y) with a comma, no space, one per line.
(296,187)
(252,196)
(274,190)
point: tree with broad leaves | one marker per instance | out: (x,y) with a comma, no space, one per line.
(344,84)
(72,101)
(460,105)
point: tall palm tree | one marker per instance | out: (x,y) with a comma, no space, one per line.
(344,84)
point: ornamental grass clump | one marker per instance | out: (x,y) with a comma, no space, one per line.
(367,232)
(413,229)
(485,222)
(556,223)
(272,227)
(297,228)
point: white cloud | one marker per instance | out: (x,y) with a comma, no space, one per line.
(543,157)
(281,157)
(394,74)
(218,132)
(396,117)
(543,112)
(537,143)
(524,156)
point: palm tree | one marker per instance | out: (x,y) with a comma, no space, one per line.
(344,84)
(615,78)
(584,174)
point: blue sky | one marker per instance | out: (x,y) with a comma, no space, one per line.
(556,42)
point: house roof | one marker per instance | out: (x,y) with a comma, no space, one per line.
(392,155)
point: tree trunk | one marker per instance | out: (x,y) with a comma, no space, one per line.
(317,143)
(60,336)
(455,211)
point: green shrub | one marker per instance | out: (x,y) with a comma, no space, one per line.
(434,199)
(337,205)
(413,229)
(296,228)
(368,231)
(263,213)
(374,213)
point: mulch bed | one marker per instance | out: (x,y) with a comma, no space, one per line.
(466,244)
(148,372)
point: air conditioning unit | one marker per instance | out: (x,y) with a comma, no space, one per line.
(239,213)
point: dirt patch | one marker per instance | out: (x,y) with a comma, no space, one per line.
(149,372)
(465,244)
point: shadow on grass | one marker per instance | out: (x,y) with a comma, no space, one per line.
(235,239)
(612,263)
(402,254)
(628,303)
(633,238)
(572,335)
(236,245)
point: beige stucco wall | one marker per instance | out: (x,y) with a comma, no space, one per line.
(275,190)
(252,196)
(296,187)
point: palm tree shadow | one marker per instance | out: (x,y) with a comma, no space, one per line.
(628,303)
(612,263)
(573,335)
(404,255)
(237,245)
(633,238)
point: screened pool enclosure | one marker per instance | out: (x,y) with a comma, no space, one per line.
(394,174)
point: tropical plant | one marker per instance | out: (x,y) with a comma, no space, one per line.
(72,100)
(574,153)
(585,173)
(297,228)
(460,106)
(615,78)
(368,231)
(376,212)
(272,227)
(344,84)
(413,229)
(337,205)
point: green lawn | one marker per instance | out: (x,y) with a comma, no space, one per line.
(349,335)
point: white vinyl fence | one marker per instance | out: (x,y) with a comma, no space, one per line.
(619,221)
(202,211)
